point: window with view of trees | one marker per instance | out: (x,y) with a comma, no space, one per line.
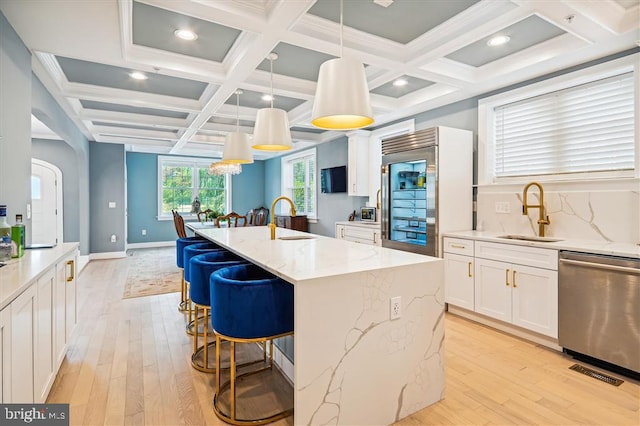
(299,181)
(181,180)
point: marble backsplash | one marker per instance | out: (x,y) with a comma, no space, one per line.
(612,216)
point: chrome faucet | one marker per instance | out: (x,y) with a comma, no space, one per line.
(272,225)
(526,206)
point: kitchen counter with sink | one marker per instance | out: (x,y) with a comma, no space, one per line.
(352,363)
(556,243)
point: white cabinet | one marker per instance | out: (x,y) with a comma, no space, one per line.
(358,168)
(23,312)
(459,287)
(515,292)
(70,280)
(43,369)
(358,233)
(5,355)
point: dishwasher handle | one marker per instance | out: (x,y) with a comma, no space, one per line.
(625,269)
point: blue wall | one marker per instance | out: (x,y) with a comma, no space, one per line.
(248,191)
(106,182)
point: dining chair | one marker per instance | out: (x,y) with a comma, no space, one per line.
(178,222)
(258,217)
(202,216)
(232,218)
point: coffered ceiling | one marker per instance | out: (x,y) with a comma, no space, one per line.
(84,51)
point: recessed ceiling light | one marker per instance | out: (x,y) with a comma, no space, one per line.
(137,75)
(400,82)
(266,98)
(185,34)
(498,40)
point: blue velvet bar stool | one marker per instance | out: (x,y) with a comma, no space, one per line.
(201,267)
(189,252)
(248,305)
(181,243)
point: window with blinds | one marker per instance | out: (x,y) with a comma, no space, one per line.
(585,128)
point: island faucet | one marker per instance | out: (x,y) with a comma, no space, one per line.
(526,206)
(272,225)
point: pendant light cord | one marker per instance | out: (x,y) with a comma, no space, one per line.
(237,112)
(341,28)
(271,67)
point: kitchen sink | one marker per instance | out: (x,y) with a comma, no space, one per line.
(296,237)
(529,238)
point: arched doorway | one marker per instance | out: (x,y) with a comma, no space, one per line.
(46,203)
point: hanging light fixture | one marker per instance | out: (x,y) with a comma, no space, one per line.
(221,168)
(342,99)
(271,132)
(237,148)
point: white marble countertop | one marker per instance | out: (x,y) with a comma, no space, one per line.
(308,259)
(585,246)
(360,223)
(18,274)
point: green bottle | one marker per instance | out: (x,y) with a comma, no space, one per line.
(17,238)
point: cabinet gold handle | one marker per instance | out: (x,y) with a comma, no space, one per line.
(72,269)
(457,246)
(506,277)
(514,279)
(469,270)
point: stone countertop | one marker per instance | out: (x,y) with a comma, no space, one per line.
(18,274)
(308,259)
(584,246)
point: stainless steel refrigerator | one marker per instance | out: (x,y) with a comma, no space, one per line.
(427,180)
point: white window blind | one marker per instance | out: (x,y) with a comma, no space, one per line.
(586,128)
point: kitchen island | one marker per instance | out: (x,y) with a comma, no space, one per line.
(353,365)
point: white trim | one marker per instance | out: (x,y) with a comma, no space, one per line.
(285,175)
(59,196)
(486,107)
(107,255)
(152,244)
(82,262)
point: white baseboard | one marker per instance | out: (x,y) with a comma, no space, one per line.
(107,255)
(151,245)
(82,262)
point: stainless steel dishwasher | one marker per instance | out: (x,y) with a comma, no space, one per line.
(599,308)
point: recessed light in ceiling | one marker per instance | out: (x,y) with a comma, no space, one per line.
(185,34)
(400,82)
(267,98)
(137,75)
(498,40)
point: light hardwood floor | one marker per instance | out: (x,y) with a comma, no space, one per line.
(129,363)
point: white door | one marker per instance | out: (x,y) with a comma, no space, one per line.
(493,289)
(459,282)
(46,203)
(535,299)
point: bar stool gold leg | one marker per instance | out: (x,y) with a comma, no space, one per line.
(183,292)
(232,366)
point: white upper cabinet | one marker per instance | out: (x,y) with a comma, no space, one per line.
(358,168)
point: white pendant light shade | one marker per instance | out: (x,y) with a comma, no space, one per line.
(342,99)
(271,132)
(237,149)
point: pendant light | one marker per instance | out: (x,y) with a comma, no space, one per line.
(271,132)
(342,100)
(237,148)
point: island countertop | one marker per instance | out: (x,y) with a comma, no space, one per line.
(356,361)
(315,256)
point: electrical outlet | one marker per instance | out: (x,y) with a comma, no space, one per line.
(395,307)
(503,207)
(144,232)
(113,238)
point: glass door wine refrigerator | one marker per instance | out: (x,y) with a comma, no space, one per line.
(412,188)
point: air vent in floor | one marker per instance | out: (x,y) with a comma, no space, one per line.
(592,373)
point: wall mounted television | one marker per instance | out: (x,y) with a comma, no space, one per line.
(333,179)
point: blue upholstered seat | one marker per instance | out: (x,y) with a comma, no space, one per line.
(194,250)
(181,243)
(248,302)
(201,268)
